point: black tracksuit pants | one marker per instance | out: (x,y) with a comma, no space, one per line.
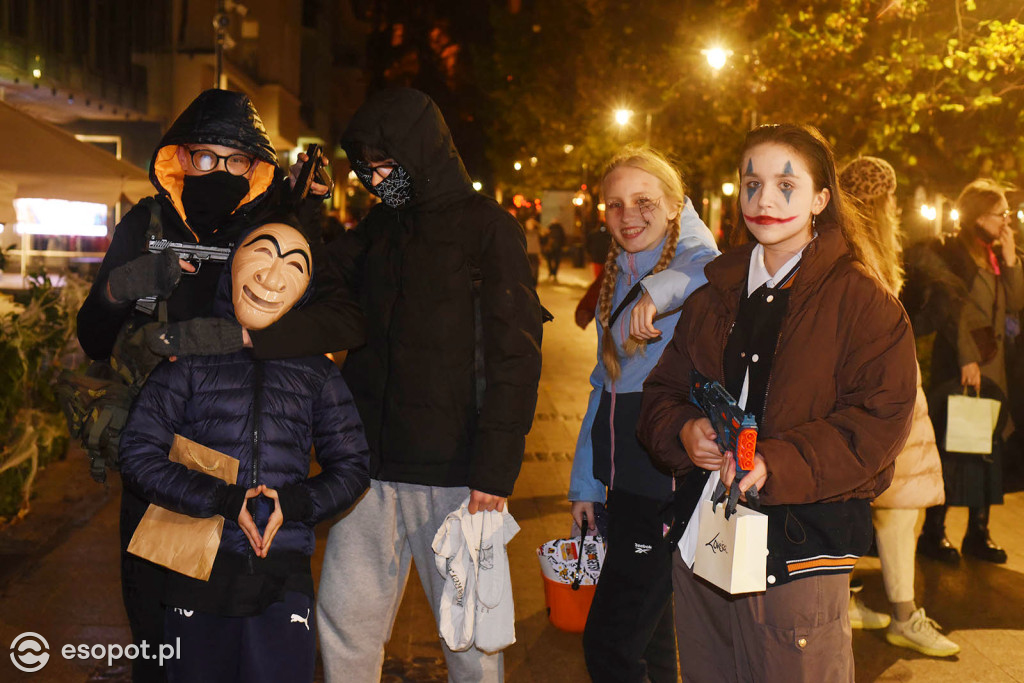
(629,636)
(275,646)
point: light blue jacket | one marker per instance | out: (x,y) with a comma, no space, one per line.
(668,290)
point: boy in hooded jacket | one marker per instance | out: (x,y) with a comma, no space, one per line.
(250,620)
(216,175)
(446,383)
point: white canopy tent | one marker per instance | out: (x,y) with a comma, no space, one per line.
(40,160)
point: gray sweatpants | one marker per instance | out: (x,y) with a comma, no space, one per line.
(363,578)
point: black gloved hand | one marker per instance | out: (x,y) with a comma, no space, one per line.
(196,337)
(148,275)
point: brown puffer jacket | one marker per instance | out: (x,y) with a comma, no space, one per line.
(917,482)
(841,393)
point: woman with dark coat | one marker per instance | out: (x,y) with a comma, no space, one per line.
(978,274)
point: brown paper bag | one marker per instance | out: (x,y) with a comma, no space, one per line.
(188,545)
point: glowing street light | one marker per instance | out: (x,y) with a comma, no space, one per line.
(477,185)
(928,212)
(622,116)
(717,57)
(728,189)
(954,215)
(518,166)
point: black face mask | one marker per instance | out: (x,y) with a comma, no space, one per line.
(210,198)
(395,190)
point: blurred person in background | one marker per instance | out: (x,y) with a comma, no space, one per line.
(917,481)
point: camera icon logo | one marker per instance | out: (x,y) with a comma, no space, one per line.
(30,652)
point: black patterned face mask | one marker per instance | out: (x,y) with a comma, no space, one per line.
(395,190)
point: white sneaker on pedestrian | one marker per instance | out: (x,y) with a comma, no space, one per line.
(863,617)
(921,633)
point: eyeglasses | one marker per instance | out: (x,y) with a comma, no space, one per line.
(367,170)
(205,161)
(1004,214)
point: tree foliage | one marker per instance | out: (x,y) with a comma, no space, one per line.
(937,87)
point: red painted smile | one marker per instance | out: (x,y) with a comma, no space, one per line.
(767,220)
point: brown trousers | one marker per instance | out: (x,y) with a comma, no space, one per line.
(793,633)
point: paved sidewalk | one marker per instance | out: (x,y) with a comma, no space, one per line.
(68,590)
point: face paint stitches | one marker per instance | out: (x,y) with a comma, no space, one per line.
(634,209)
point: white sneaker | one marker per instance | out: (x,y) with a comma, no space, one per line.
(863,617)
(921,633)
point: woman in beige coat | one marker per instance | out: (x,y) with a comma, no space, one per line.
(917,482)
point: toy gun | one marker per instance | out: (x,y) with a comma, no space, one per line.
(195,254)
(312,171)
(736,431)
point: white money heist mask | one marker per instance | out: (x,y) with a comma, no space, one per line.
(269,274)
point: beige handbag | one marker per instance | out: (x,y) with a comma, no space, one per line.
(185,544)
(970,421)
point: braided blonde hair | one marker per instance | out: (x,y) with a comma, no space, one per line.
(653,162)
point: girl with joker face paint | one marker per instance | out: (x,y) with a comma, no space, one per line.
(779,200)
(810,343)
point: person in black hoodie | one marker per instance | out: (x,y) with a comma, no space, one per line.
(217,177)
(446,384)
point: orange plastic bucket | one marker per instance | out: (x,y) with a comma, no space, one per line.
(567,608)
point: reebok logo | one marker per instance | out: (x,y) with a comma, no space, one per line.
(641,548)
(297,619)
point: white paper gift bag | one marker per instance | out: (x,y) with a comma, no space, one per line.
(969,423)
(732,553)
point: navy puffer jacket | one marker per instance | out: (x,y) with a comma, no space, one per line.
(268,414)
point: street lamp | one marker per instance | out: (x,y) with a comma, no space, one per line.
(717,57)
(622,117)
(518,165)
(728,189)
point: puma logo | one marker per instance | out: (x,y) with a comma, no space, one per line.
(305,620)
(716,545)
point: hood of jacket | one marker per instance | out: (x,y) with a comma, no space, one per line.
(409,127)
(215,117)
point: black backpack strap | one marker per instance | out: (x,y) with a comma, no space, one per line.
(631,296)
(155,231)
